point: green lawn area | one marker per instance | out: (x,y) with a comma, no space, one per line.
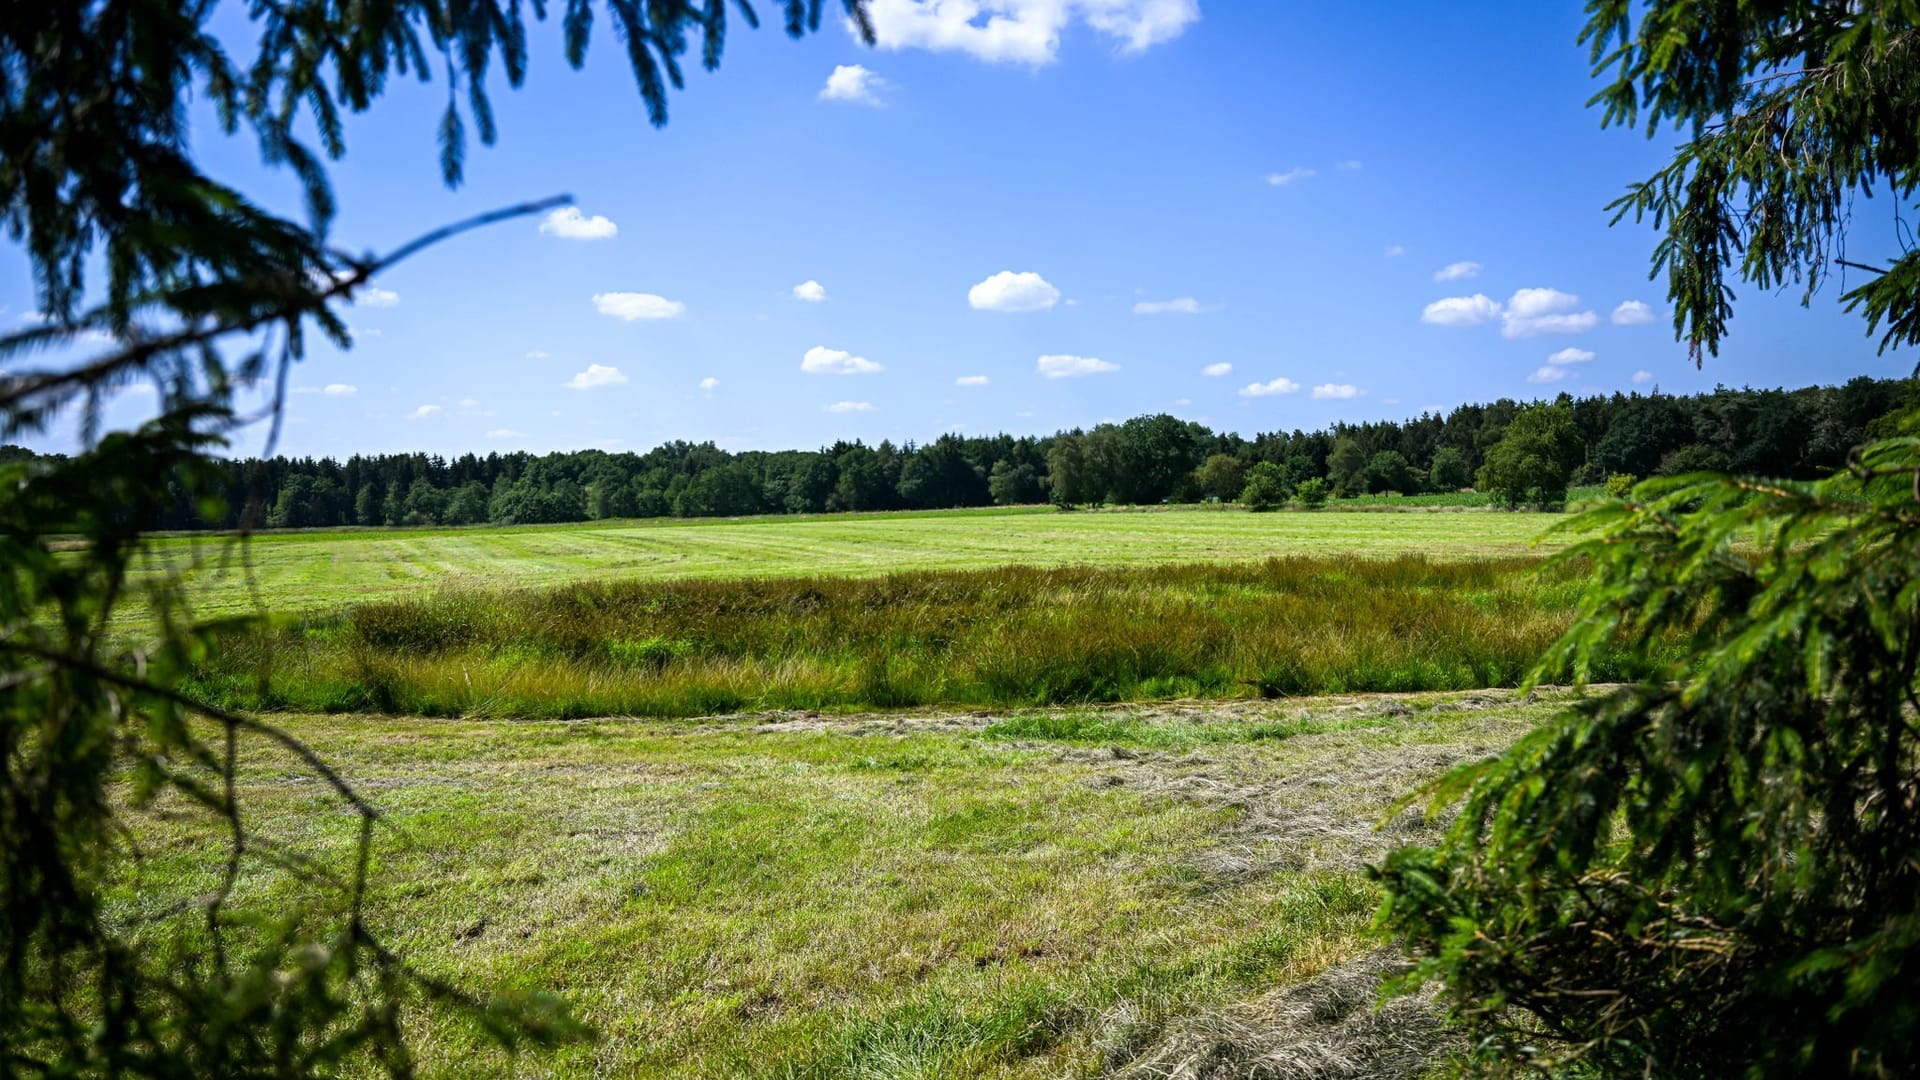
(1037,894)
(308,571)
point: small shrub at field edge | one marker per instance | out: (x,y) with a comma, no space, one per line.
(1008,637)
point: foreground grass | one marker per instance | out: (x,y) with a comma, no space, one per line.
(317,571)
(990,638)
(1022,895)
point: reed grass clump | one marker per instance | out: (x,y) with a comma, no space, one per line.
(1010,636)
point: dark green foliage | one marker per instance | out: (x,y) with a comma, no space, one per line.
(1266,488)
(1387,471)
(1347,467)
(1715,871)
(1222,477)
(1449,470)
(1533,463)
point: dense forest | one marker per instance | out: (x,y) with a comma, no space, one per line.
(1522,452)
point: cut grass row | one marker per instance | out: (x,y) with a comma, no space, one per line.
(1014,636)
(1022,896)
(319,571)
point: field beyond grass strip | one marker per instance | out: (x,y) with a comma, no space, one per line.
(286,572)
(1020,895)
(1015,636)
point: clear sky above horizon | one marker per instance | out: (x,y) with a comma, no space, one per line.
(1255,215)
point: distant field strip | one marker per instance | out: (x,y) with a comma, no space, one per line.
(310,571)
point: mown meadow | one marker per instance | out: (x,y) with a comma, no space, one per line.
(1022,894)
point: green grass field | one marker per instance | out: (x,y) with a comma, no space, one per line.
(1027,894)
(310,571)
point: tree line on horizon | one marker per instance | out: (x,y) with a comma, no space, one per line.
(1523,453)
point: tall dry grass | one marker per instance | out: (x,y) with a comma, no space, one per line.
(1001,637)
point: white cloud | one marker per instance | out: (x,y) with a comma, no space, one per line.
(339,389)
(1394,251)
(596,375)
(506,433)
(1184,305)
(850,407)
(1270,388)
(1009,291)
(1349,166)
(1549,374)
(821,360)
(1532,312)
(469,403)
(1336,391)
(637,305)
(374,296)
(1214,371)
(709,383)
(1570,355)
(1461,311)
(1067,367)
(1632,313)
(425,411)
(569,223)
(538,355)
(1459,271)
(811,291)
(854,84)
(1642,378)
(1024,31)
(1282,179)
(970,380)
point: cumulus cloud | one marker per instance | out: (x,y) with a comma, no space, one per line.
(1010,291)
(821,360)
(506,433)
(1642,378)
(970,380)
(811,291)
(1336,391)
(1459,271)
(631,306)
(709,383)
(1183,305)
(1632,313)
(596,375)
(569,223)
(1461,310)
(424,411)
(339,389)
(1060,366)
(1024,31)
(1282,179)
(1570,355)
(538,355)
(854,84)
(1349,166)
(1550,374)
(850,407)
(1394,251)
(1532,312)
(1216,370)
(1270,388)
(374,296)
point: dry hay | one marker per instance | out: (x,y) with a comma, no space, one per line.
(1333,1027)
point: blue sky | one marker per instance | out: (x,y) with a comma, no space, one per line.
(1071,214)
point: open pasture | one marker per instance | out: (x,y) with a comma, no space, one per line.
(283,572)
(1025,894)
